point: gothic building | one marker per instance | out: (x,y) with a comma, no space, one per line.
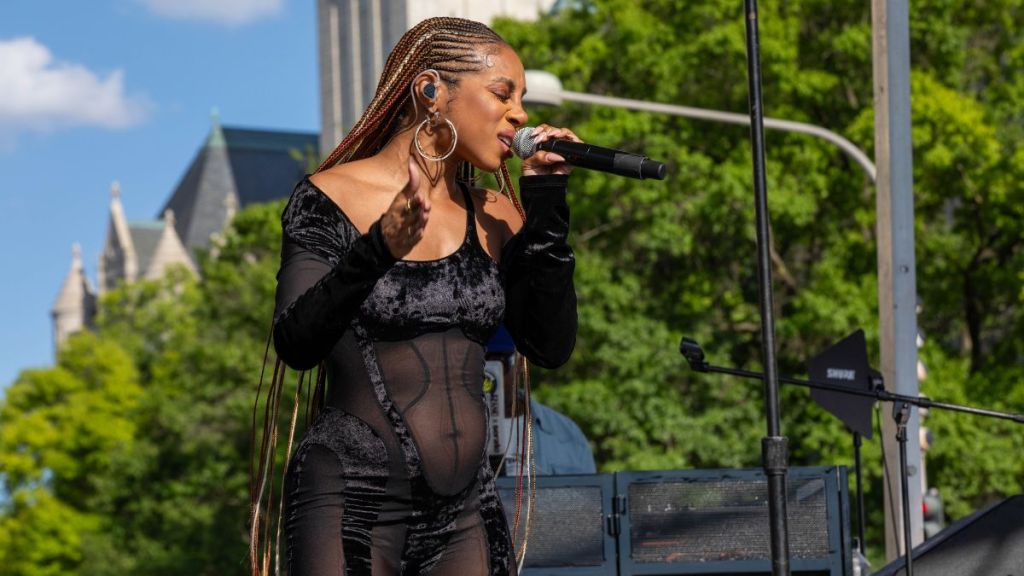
(234,167)
(140,249)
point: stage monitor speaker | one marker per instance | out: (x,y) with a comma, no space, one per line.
(568,532)
(716,522)
(987,543)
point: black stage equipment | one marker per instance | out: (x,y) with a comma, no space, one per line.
(571,528)
(846,364)
(711,522)
(987,543)
(717,522)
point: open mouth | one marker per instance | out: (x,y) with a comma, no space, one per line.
(506,143)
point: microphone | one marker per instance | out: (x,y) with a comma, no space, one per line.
(589,156)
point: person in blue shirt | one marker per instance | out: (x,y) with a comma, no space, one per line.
(559,445)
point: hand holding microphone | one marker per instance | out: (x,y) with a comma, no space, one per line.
(528,141)
(546,161)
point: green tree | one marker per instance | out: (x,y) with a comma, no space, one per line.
(200,343)
(62,431)
(42,536)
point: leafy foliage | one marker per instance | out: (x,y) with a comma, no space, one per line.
(63,431)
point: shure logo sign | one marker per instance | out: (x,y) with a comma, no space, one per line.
(841,374)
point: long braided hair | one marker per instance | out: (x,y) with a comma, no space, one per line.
(450,46)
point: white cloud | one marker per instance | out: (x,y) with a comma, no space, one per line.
(230,12)
(40,93)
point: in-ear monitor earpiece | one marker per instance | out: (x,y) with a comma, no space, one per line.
(430,91)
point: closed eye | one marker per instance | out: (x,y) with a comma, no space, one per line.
(503,88)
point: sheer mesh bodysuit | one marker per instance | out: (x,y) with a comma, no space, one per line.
(392,476)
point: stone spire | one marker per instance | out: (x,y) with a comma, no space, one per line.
(169,251)
(118,261)
(75,307)
(216,138)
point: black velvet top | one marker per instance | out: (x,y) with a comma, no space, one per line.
(331,275)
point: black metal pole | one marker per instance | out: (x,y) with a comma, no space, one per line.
(774,451)
(860,492)
(901,413)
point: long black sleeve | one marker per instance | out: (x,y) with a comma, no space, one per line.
(316,301)
(537,265)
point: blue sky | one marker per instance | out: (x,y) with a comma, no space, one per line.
(105,90)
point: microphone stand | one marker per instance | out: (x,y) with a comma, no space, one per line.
(860,492)
(774,446)
(901,413)
(694,355)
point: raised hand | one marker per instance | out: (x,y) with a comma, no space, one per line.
(406,217)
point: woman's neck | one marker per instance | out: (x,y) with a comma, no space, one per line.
(436,177)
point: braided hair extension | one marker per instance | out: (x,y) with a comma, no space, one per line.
(450,46)
(266,501)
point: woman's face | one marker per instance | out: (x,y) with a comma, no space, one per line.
(487,108)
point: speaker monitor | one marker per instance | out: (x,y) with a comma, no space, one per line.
(568,532)
(987,543)
(717,522)
(681,522)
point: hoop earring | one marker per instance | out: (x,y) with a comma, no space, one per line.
(419,149)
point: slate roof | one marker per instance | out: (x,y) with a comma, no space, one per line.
(262,162)
(250,165)
(145,237)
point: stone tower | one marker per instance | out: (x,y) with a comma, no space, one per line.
(76,304)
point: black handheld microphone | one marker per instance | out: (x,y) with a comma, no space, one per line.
(589,156)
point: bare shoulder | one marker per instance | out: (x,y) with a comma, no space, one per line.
(342,180)
(355,189)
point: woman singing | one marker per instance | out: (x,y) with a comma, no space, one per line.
(395,271)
